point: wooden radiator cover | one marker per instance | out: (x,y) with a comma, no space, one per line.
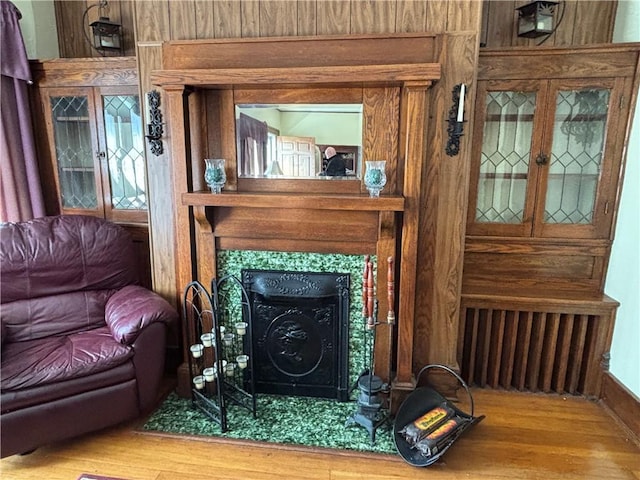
(535,345)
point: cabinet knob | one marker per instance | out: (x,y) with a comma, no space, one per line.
(542,159)
(101,155)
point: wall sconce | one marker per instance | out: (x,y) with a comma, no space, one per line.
(456,120)
(536,18)
(155,129)
(107,35)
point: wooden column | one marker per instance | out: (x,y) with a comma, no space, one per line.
(445,186)
(385,248)
(178,135)
(179,148)
(413,127)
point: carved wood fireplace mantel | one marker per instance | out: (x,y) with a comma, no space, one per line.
(389,75)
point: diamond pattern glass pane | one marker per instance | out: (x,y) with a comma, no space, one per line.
(504,163)
(125,146)
(72,133)
(576,156)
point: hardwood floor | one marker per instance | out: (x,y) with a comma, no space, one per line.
(524,436)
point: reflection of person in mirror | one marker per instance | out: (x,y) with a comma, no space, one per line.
(336,166)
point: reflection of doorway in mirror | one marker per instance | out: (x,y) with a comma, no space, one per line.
(296,156)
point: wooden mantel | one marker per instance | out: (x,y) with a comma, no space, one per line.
(389,75)
(286,200)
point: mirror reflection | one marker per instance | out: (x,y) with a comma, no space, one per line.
(320,141)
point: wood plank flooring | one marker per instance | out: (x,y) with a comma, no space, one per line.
(524,436)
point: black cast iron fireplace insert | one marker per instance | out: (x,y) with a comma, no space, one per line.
(300,332)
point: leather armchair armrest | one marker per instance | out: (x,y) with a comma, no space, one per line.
(131,309)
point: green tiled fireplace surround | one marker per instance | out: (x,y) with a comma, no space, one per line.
(231,262)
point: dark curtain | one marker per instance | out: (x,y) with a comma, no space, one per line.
(252,145)
(20,191)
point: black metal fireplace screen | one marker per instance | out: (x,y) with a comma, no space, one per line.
(300,332)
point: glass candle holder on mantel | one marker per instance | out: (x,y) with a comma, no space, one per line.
(214,174)
(375,177)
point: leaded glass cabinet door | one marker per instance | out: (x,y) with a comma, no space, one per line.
(123,161)
(74,148)
(575,193)
(504,174)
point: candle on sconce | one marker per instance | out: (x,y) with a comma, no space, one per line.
(209,374)
(228,339)
(224,366)
(207,339)
(229,369)
(461,103)
(241,328)
(198,381)
(196,350)
(242,361)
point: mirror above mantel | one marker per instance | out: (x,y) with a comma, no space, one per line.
(299,141)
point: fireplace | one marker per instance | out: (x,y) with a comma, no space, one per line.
(300,324)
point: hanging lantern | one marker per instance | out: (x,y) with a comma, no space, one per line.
(536,19)
(106,34)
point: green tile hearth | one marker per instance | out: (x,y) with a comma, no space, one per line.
(304,421)
(289,420)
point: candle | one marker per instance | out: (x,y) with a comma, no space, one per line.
(198,381)
(224,365)
(229,369)
(241,328)
(228,339)
(207,339)
(196,350)
(242,361)
(461,103)
(209,374)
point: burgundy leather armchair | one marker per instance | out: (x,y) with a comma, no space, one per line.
(83,346)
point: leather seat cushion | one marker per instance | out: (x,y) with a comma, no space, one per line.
(12,400)
(55,359)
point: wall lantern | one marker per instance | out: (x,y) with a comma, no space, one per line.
(536,19)
(106,34)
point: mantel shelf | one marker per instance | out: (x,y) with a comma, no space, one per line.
(295,200)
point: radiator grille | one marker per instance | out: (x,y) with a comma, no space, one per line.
(532,351)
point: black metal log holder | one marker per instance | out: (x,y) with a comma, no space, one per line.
(422,400)
(371,413)
(207,316)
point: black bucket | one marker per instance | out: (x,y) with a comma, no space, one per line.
(421,401)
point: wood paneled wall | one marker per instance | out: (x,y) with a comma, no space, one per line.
(196,19)
(580,21)
(73,18)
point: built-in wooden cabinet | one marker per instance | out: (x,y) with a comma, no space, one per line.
(548,151)
(545,157)
(91,145)
(97,147)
